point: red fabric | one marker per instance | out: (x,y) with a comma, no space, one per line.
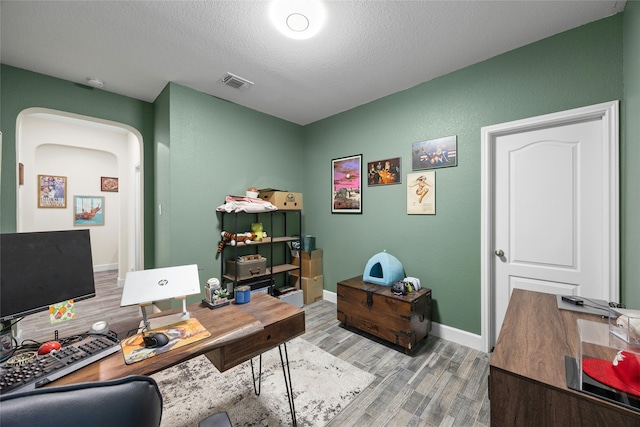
(623,374)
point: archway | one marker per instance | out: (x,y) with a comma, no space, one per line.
(84,150)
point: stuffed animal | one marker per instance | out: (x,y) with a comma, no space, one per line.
(233,239)
(257,229)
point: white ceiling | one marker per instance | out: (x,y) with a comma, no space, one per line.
(366,50)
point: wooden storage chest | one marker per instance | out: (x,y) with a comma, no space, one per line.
(401,320)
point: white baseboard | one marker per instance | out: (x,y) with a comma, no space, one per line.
(330,296)
(457,336)
(445,332)
(105,267)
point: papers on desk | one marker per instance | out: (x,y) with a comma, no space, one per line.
(180,334)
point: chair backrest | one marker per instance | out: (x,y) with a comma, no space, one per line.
(131,401)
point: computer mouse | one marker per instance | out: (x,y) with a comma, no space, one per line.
(47,347)
(156,339)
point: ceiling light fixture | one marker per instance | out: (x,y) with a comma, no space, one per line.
(93,82)
(299,19)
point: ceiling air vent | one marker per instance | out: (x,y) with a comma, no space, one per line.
(236,82)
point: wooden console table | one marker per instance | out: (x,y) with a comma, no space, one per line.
(527,380)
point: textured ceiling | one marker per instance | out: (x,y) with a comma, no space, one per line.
(366,50)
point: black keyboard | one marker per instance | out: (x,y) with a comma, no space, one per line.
(36,371)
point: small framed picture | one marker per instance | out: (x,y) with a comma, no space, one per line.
(52,191)
(88,210)
(384,172)
(346,185)
(435,153)
(421,193)
(108,183)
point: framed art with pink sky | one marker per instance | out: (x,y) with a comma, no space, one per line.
(346,185)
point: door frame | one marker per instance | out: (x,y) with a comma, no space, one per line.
(608,113)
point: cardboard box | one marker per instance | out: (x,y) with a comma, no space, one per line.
(312,287)
(311,263)
(284,200)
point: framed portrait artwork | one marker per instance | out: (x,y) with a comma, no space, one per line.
(52,191)
(421,193)
(346,185)
(435,153)
(384,172)
(88,210)
(108,183)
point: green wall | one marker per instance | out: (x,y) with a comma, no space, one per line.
(216,149)
(629,159)
(23,89)
(573,69)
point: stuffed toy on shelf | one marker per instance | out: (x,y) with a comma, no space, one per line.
(233,239)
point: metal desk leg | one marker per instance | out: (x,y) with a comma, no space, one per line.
(284,361)
(287,382)
(256,388)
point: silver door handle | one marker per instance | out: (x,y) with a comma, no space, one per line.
(499,253)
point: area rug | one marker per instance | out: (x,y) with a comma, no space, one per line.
(322,385)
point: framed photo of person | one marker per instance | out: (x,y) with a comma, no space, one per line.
(421,193)
(435,153)
(384,172)
(52,191)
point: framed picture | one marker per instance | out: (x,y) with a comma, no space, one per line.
(435,153)
(88,210)
(346,185)
(108,183)
(384,172)
(52,191)
(421,193)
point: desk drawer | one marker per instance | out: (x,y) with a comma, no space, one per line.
(240,351)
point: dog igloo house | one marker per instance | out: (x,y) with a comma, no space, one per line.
(383,269)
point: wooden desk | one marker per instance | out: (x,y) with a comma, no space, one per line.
(238,333)
(527,383)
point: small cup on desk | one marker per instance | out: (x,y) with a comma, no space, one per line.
(242,294)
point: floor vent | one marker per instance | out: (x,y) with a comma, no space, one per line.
(236,82)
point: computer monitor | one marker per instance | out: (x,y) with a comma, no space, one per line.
(38,269)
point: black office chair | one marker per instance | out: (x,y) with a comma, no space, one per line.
(133,401)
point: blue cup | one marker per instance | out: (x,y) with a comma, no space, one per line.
(242,294)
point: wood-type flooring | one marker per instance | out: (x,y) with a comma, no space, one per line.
(104,306)
(443,384)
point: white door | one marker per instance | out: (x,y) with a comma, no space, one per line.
(551,188)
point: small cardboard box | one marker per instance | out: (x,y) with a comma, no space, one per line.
(312,287)
(311,263)
(284,200)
